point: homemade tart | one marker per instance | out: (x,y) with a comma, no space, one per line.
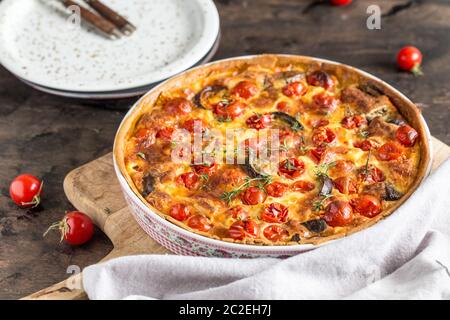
(351,150)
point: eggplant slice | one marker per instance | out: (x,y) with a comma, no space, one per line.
(148,185)
(391,194)
(317,225)
(209,90)
(292,122)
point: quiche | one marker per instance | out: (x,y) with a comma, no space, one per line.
(349,150)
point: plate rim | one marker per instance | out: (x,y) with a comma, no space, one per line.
(209,34)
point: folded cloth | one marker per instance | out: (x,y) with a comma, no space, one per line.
(404,257)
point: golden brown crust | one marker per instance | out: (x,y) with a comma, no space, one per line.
(348,76)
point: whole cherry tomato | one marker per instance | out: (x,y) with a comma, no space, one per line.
(320,78)
(199,222)
(371,174)
(323,136)
(409,59)
(207,169)
(275,213)
(340,2)
(406,135)
(179,212)
(238,212)
(291,168)
(229,111)
(189,179)
(253,195)
(195,124)
(341,167)
(389,151)
(295,89)
(178,106)
(259,121)
(353,122)
(338,214)
(324,102)
(245,89)
(366,205)
(240,229)
(303,186)
(276,189)
(76,228)
(345,185)
(364,145)
(275,233)
(26,190)
(317,153)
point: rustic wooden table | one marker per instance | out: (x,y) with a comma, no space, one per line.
(48,136)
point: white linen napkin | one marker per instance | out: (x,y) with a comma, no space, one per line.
(404,257)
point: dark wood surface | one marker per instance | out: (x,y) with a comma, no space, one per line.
(48,136)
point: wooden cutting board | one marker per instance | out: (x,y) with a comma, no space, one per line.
(94,189)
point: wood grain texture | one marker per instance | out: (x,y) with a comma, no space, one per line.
(94,189)
(49,136)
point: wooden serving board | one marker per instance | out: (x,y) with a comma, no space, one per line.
(94,189)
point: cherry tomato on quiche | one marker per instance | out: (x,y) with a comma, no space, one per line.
(338,213)
(178,106)
(340,3)
(243,228)
(317,153)
(189,179)
(366,205)
(179,212)
(26,190)
(345,185)
(259,121)
(409,59)
(364,145)
(317,123)
(238,212)
(76,228)
(245,89)
(206,168)
(195,124)
(253,195)
(199,222)
(353,122)
(302,186)
(320,78)
(341,167)
(324,102)
(142,134)
(275,213)
(165,133)
(406,135)
(389,151)
(276,189)
(371,174)
(275,233)
(291,168)
(295,89)
(229,111)
(323,136)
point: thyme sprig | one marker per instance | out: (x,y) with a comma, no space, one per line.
(322,169)
(228,196)
(366,170)
(319,205)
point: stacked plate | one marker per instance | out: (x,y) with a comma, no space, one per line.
(42,46)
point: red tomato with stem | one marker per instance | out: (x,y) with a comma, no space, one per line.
(291,168)
(189,179)
(323,136)
(410,59)
(26,191)
(76,228)
(205,169)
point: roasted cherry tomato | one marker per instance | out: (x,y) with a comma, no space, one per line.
(276,189)
(245,89)
(317,153)
(341,167)
(26,190)
(345,185)
(253,196)
(76,228)
(353,122)
(291,168)
(406,135)
(283,106)
(324,102)
(295,89)
(179,212)
(229,111)
(319,123)
(389,151)
(366,205)
(371,174)
(275,233)
(192,124)
(409,59)
(340,2)
(364,145)
(338,214)
(240,229)
(165,133)
(320,78)
(207,169)
(199,222)
(178,106)
(303,186)
(189,179)
(143,134)
(323,136)
(275,213)
(259,121)
(238,212)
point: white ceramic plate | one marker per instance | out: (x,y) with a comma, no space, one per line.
(119,94)
(39,45)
